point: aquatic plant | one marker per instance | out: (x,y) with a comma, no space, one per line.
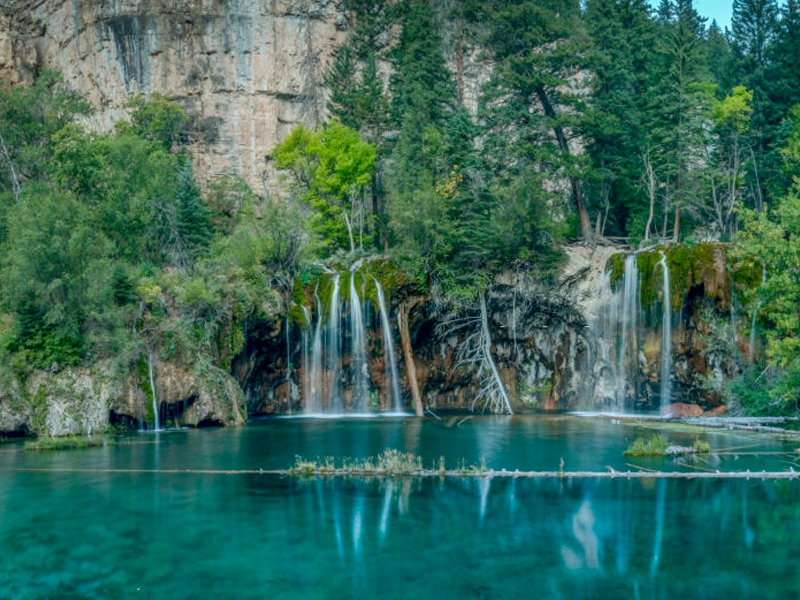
(655,445)
(388,462)
(72,442)
(702,447)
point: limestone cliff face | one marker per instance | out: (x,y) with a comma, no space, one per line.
(247,70)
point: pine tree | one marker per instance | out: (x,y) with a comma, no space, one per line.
(677,110)
(753,31)
(783,89)
(423,91)
(539,46)
(622,35)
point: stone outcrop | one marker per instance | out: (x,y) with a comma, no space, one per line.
(246,70)
(79,400)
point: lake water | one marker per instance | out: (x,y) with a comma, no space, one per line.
(72,527)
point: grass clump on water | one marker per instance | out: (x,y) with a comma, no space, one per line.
(388,462)
(702,447)
(655,445)
(71,442)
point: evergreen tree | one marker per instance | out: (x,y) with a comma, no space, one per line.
(423,91)
(783,84)
(622,35)
(680,106)
(719,59)
(753,31)
(538,47)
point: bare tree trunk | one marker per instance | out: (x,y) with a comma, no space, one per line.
(408,353)
(650,176)
(487,350)
(14,180)
(563,144)
(349,231)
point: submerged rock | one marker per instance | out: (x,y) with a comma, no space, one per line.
(680,410)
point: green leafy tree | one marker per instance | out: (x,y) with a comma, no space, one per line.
(770,243)
(29,117)
(330,169)
(731,117)
(159,119)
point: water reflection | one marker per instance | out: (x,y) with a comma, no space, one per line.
(578,537)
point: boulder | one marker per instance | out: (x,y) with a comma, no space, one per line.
(680,410)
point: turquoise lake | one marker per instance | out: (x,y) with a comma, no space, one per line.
(75,524)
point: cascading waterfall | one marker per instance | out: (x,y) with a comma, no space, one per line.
(306,383)
(314,400)
(628,349)
(751,344)
(358,358)
(335,404)
(156,424)
(666,337)
(288,364)
(388,345)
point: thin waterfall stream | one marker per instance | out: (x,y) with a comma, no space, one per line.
(627,349)
(388,344)
(666,336)
(358,358)
(335,403)
(314,400)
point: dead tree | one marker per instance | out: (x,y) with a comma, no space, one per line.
(408,353)
(475,352)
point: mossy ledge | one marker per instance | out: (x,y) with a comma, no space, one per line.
(706,265)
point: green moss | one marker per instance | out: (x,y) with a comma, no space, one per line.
(385,271)
(615,267)
(143,381)
(689,266)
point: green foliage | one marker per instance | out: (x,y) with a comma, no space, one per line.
(29,117)
(771,240)
(330,170)
(159,119)
(702,447)
(655,445)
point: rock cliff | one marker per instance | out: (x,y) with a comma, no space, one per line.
(246,70)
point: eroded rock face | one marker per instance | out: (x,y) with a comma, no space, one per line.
(247,70)
(185,397)
(81,401)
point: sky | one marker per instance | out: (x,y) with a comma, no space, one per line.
(711,9)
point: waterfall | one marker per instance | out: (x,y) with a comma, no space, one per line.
(358,358)
(628,349)
(335,404)
(156,424)
(288,365)
(666,337)
(306,383)
(314,400)
(751,345)
(388,346)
